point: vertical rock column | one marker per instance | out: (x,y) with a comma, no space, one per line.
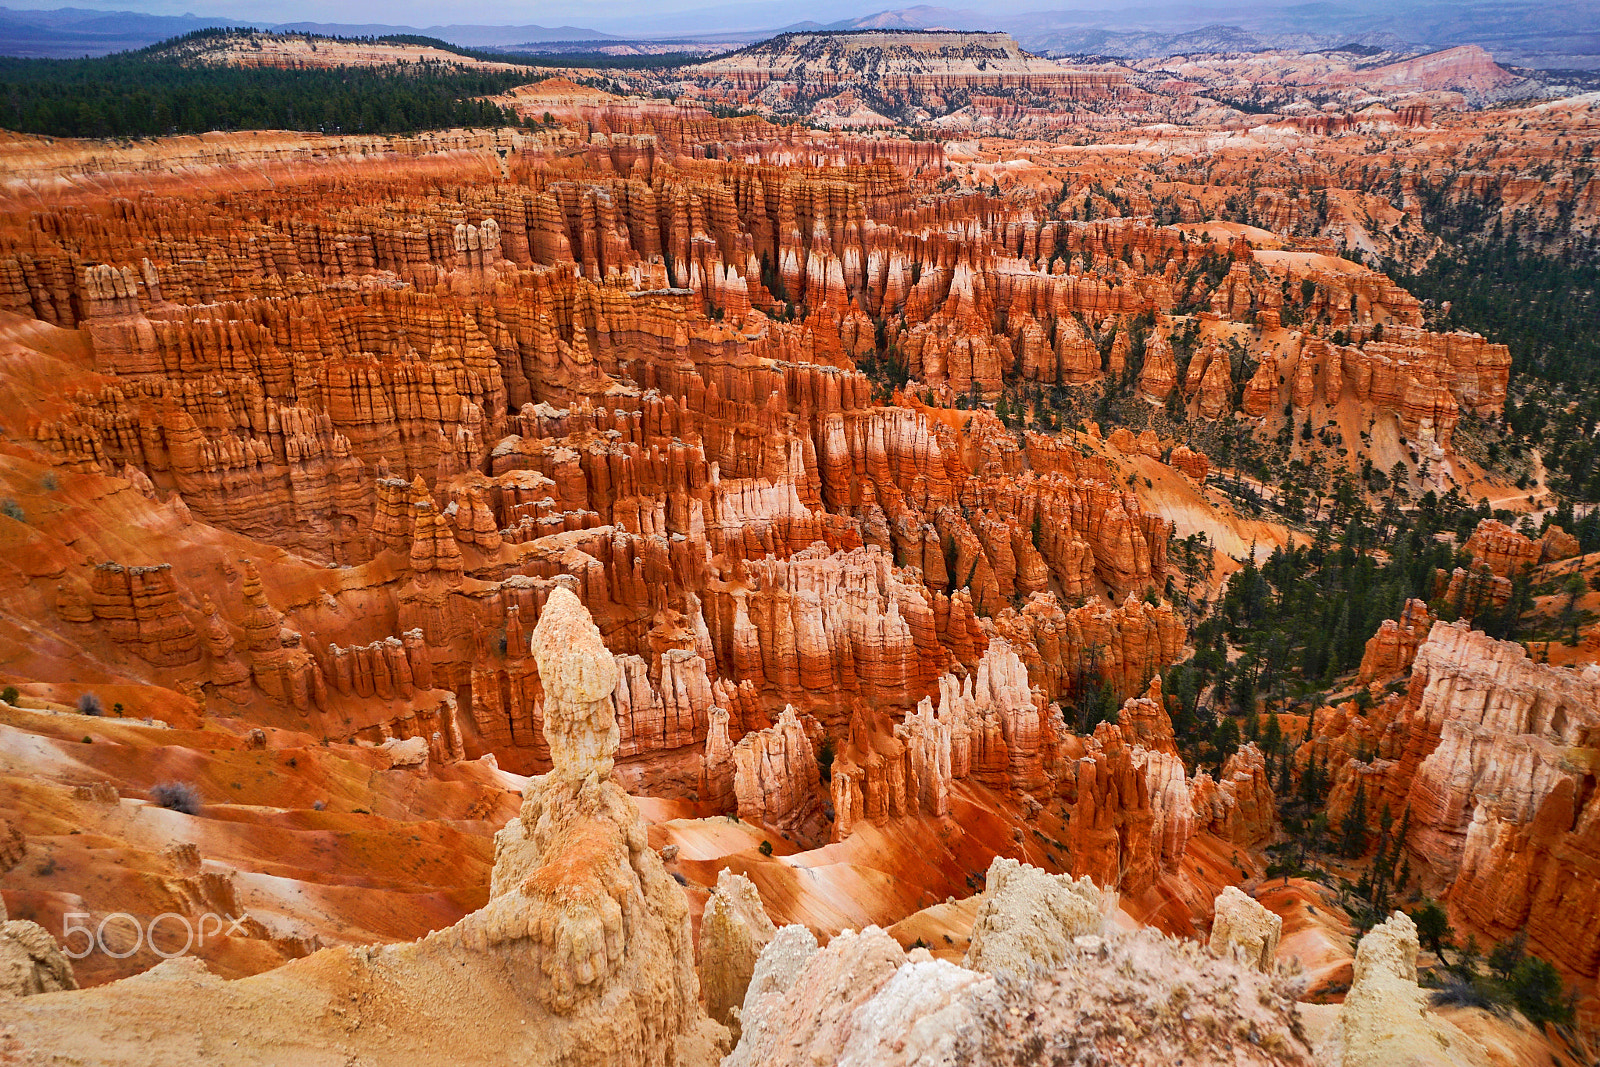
(581,914)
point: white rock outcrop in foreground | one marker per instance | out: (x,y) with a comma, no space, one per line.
(1384,1021)
(1031,919)
(1104,997)
(1244,927)
(733,930)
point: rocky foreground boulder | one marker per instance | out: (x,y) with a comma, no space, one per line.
(1384,1020)
(1243,927)
(30,961)
(1044,982)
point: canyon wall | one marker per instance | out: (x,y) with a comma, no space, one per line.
(1490,754)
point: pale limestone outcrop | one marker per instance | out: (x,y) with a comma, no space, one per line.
(733,931)
(576,891)
(777,967)
(579,676)
(410,753)
(849,1002)
(30,960)
(1242,927)
(1030,918)
(1119,998)
(1384,1019)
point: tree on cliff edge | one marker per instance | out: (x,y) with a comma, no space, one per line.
(1433,927)
(1353,827)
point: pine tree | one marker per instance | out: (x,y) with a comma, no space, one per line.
(1574,587)
(1433,928)
(1340,638)
(1311,784)
(1505,955)
(1353,827)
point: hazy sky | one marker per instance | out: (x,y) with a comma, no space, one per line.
(613,16)
(671,17)
(617,14)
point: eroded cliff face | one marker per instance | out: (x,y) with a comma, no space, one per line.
(1504,799)
(371,431)
(1490,753)
(1500,725)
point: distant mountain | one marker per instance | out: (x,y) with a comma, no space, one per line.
(1137,44)
(922,17)
(1550,33)
(70,32)
(870,76)
(1533,33)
